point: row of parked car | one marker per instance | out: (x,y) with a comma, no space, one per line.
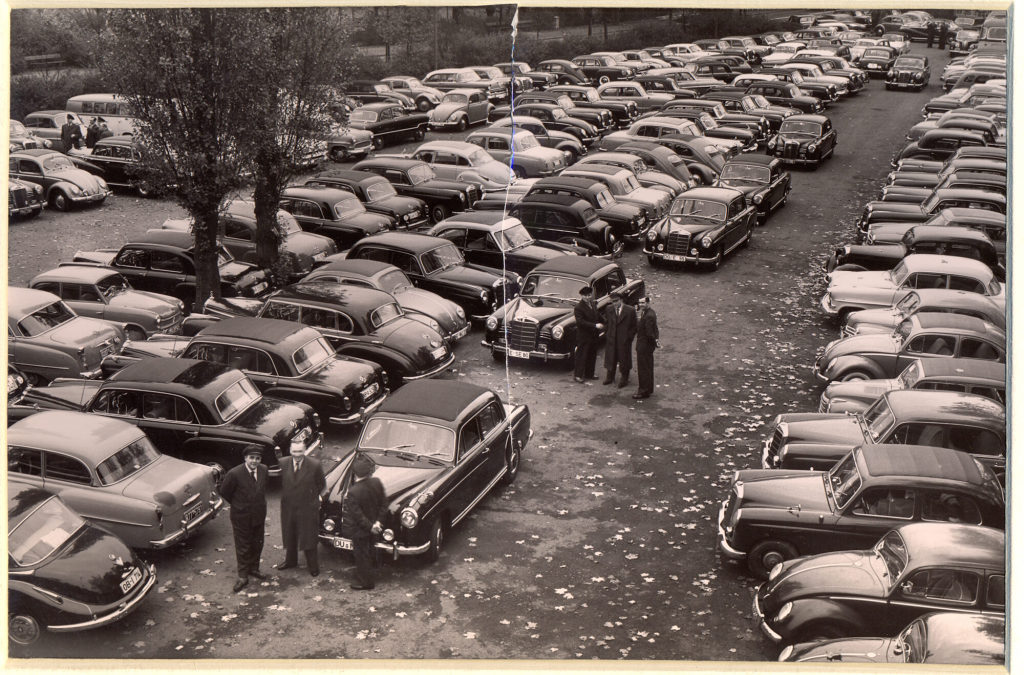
(907,453)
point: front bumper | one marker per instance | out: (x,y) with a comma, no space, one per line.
(906,85)
(447,124)
(22,210)
(761,622)
(394,548)
(360,415)
(458,335)
(801,161)
(188,528)
(723,540)
(121,610)
(696,259)
(89,199)
(532,354)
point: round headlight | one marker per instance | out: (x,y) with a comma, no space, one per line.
(706,242)
(103,183)
(435,325)
(776,571)
(75,190)
(329,525)
(557,332)
(485,296)
(492,323)
(409,518)
(652,234)
(786,653)
(459,312)
(784,612)
(812,147)
(758,198)
(435,344)
(388,535)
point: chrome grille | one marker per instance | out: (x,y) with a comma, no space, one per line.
(791,150)
(730,507)
(776,444)
(522,335)
(678,243)
(903,77)
(19,196)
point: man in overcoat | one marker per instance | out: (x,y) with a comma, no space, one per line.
(646,343)
(621,322)
(245,488)
(363,509)
(588,330)
(302,481)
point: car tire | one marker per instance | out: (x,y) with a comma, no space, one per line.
(719,257)
(423,105)
(604,79)
(436,540)
(22,628)
(512,460)
(338,155)
(378,142)
(854,376)
(438,212)
(419,134)
(519,172)
(767,554)
(60,201)
(463,123)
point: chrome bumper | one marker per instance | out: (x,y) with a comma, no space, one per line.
(360,415)
(394,548)
(121,611)
(188,528)
(433,371)
(762,623)
(532,354)
(723,541)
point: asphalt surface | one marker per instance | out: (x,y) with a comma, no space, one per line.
(605,547)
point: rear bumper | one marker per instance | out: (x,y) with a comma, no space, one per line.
(188,528)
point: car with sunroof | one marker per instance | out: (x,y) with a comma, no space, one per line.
(886,319)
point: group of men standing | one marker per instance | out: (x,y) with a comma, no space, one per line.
(620,324)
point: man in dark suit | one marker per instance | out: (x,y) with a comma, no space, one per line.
(588,330)
(245,489)
(621,321)
(363,509)
(646,343)
(302,481)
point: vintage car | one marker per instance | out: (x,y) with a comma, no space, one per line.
(238,232)
(118,161)
(443,316)
(637,65)
(465,162)
(567,219)
(103,293)
(762,179)
(912,570)
(946,638)
(21,138)
(703,226)
(24,198)
(910,71)
(369,92)
(284,360)
(513,84)
(753,123)
(788,94)
(709,126)
(971,376)
(782,52)
(196,410)
(498,241)
(662,159)
(963,40)
(539,78)
(648,177)
(47,124)
(703,159)
(628,221)
(940,240)
(602,69)
(452,79)
(163,261)
(626,91)
(886,319)
(566,143)
(540,324)
(958,180)
(65,184)
(436,265)
(774,515)
(804,139)
(545,107)
(378,195)
(654,128)
(438,448)
(826,92)
(625,187)
(930,179)
(921,164)
(424,97)
(567,72)
(835,66)
(519,149)
(811,75)
(946,198)
(331,212)
(413,178)
(984,123)
(64,574)
(586,97)
(850,291)
(682,82)
(925,335)
(389,122)
(940,144)
(943,419)
(46,339)
(113,476)
(459,108)
(346,143)
(877,60)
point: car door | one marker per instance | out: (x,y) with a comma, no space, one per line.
(336,326)
(168,420)
(239,239)
(85,299)
(933,344)
(498,148)
(477,107)
(133,263)
(946,589)
(171,273)
(869,515)
(308,213)
(473,471)
(71,479)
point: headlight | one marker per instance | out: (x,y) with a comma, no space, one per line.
(758,198)
(557,332)
(706,242)
(786,653)
(492,323)
(388,535)
(409,518)
(485,296)
(459,312)
(75,190)
(329,525)
(891,73)
(784,612)
(812,147)
(103,183)
(918,76)
(776,571)
(435,325)
(652,234)
(462,197)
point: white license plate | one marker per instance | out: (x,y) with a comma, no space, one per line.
(460,333)
(343,544)
(438,353)
(515,353)
(129,583)
(259,288)
(674,258)
(370,391)
(193,513)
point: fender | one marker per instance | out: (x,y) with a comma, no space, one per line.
(807,612)
(393,363)
(850,362)
(707,175)
(812,456)
(63,186)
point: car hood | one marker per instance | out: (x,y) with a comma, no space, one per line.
(433,305)
(863,390)
(411,337)
(73,394)
(80,177)
(543,310)
(353,133)
(397,203)
(852,279)
(442,110)
(782,489)
(309,244)
(442,184)
(465,274)
(169,482)
(153,302)
(80,331)
(798,139)
(872,343)
(369,221)
(829,429)
(846,572)
(882,320)
(347,374)
(403,477)
(848,650)
(683,224)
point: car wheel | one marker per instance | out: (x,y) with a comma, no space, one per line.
(378,142)
(143,190)
(60,201)
(23,628)
(768,554)
(135,334)
(604,79)
(519,172)
(423,105)
(879,30)
(463,123)
(419,134)
(338,155)
(511,465)
(36,380)
(436,540)
(855,376)
(438,212)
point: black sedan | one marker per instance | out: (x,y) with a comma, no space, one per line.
(762,179)
(389,122)
(118,160)
(413,178)
(337,214)
(64,574)
(804,139)
(877,61)
(378,195)
(908,72)
(438,447)
(703,226)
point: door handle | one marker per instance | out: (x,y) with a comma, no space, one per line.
(192,433)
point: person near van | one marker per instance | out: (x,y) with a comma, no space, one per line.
(71,134)
(104,131)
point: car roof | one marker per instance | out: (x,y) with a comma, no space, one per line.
(23,301)
(943,544)
(38,152)
(930,262)
(723,194)
(174,238)
(581,266)
(487,218)
(966,368)
(465,91)
(22,500)
(950,634)
(380,105)
(820,119)
(358,266)
(579,182)
(355,299)
(406,240)
(616,155)
(350,176)
(751,158)
(324,192)
(437,399)
(948,321)
(188,373)
(555,200)
(83,274)
(400,163)
(955,298)
(270,331)
(946,233)
(918,462)
(83,435)
(954,407)
(124,140)
(605,169)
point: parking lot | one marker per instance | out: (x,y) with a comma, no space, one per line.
(605,547)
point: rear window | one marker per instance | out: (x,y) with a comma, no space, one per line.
(127,461)
(43,532)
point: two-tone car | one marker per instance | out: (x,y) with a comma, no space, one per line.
(886,319)
(389,123)
(438,448)
(519,149)
(64,183)
(413,178)
(110,473)
(703,226)
(762,179)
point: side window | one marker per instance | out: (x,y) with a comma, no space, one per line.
(958,283)
(946,585)
(344,323)
(162,261)
(601,288)
(990,392)
(425,156)
(252,360)
(158,406)
(615,279)
(455,235)
(28,166)
(971,348)
(976,441)
(477,240)
(938,345)
(405,262)
(51,287)
(237,231)
(24,461)
(280,310)
(374,253)
(59,467)
(114,402)
(132,257)
(940,386)
(887,502)
(396,177)
(469,436)
(318,318)
(926,280)
(995,595)
(490,417)
(497,143)
(934,435)
(207,352)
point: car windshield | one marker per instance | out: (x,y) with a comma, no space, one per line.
(745,173)
(879,419)
(224,256)
(384,314)
(899,274)
(421,174)
(112,284)
(18,129)
(57,163)
(876,54)
(701,209)
(236,398)
(395,281)
(441,258)
(347,208)
(379,191)
(479,156)
(913,642)
(513,237)
(908,303)
(558,114)
(910,376)
(455,98)
(524,142)
(408,437)
(844,479)
(361,115)
(127,461)
(909,62)
(44,531)
(863,43)
(46,318)
(787,48)
(551,286)
(761,101)
(891,551)
(795,76)
(312,354)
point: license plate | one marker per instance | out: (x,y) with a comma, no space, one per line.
(343,544)
(259,288)
(129,583)
(515,353)
(193,513)
(438,353)
(675,258)
(461,333)
(371,391)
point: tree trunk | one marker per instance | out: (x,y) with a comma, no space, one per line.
(267,195)
(207,271)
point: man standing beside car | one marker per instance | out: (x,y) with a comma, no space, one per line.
(302,481)
(646,342)
(618,344)
(245,489)
(70,135)
(588,331)
(363,509)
